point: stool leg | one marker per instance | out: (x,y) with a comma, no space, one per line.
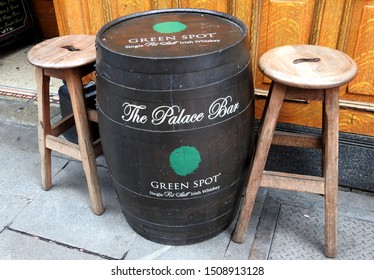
(330,168)
(44,126)
(74,83)
(269,121)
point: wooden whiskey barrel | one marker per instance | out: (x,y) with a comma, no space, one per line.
(176,117)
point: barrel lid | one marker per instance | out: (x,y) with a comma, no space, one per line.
(171,33)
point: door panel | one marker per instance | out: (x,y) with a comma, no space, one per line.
(283,22)
(360,46)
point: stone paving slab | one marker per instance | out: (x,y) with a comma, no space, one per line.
(22,111)
(214,248)
(19,73)
(17,246)
(10,206)
(19,136)
(20,171)
(63,214)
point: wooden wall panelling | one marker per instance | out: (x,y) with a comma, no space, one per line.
(360,45)
(346,25)
(93,13)
(87,16)
(165,4)
(126,7)
(69,17)
(220,5)
(242,9)
(328,29)
(282,22)
(246,11)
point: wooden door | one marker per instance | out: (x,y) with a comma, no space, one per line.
(347,25)
(358,41)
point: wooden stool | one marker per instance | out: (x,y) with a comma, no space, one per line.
(69,58)
(305,72)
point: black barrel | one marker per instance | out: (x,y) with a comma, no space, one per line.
(176,119)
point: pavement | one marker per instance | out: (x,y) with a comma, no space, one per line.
(59,225)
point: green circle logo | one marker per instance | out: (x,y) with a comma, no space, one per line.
(185,160)
(169,27)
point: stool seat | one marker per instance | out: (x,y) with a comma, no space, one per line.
(308,66)
(64,52)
